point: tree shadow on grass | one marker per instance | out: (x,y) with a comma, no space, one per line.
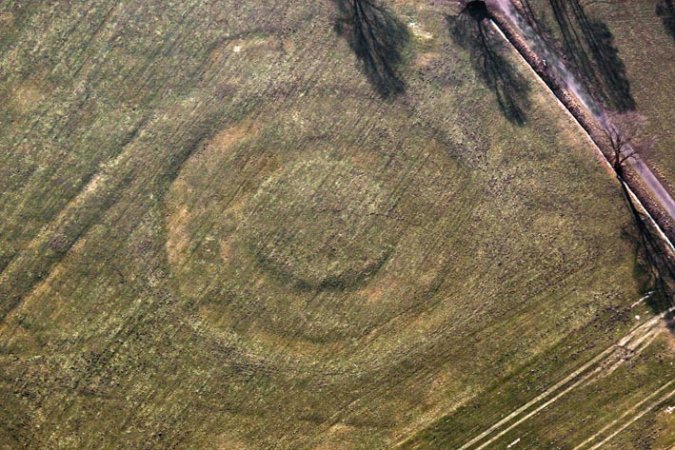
(589,46)
(378,39)
(652,264)
(471,31)
(540,26)
(666,11)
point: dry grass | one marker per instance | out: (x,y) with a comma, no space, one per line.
(193,212)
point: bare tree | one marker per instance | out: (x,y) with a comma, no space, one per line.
(626,135)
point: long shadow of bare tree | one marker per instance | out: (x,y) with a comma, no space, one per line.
(589,47)
(651,260)
(666,11)
(471,31)
(378,39)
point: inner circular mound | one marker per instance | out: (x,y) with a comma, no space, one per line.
(321,223)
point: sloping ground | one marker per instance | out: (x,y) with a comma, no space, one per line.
(625,51)
(263,224)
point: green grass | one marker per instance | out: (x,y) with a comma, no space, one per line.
(217,235)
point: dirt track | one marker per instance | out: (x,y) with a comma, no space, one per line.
(604,363)
(590,114)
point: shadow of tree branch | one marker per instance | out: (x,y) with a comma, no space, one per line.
(651,259)
(589,45)
(666,11)
(378,38)
(470,31)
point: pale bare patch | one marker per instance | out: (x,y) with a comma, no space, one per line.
(178,240)
(239,46)
(428,279)
(227,442)
(419,32)
(237,207)
(93,184)
(28,96)
(377,291)
(336,437)
(181,214)
(6,19)
(424,60)
(289,46)
(299,347)
(225,249)
(229,136)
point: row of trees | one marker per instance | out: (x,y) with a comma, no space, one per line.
(377,37)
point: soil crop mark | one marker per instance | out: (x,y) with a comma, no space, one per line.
(97,196)
(77,216)
(609,359)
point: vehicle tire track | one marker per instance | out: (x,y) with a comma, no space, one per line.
(609,358)
(633,420)
(624,415)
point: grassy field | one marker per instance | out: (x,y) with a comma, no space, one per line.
(288,224)
(624,50)
(596,412)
